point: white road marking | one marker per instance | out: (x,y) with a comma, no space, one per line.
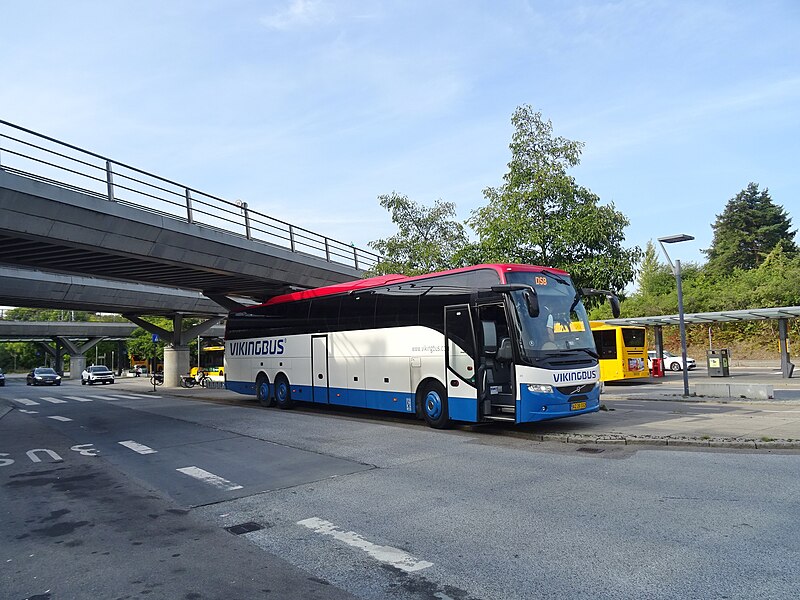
(86,450)
(140,448)
(210,478)
(128,396)
(387,554)
(57,418)
(145,396)
(105,397)
(53,400)
(78,398)
(29,412)
(26,401)
(32,455)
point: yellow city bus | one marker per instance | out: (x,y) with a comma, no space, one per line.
(212,359)
(622,350)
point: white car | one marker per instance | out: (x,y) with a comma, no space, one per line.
(671,362)
(97,374)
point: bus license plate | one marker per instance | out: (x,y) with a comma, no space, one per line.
(577,406)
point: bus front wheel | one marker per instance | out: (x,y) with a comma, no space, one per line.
(434,405)
(283,393)
(262,391)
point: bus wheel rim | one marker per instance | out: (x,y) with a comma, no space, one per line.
(433,405)
(282,391)
(263,390)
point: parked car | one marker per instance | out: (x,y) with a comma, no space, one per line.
(43,376)
(97,374)
(671,362)
(2,378)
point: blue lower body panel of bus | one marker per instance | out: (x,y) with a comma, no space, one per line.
(530,406)
(374,399)
(541,406)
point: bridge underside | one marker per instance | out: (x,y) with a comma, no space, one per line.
(40,289)
(48,227)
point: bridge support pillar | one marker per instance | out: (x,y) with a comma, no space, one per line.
(77,364)
(176,363)
(77,353)
(176,352)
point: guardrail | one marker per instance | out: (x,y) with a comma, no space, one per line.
(30,154)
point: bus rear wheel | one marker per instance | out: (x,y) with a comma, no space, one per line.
(262,391)
(434,405)
(283,393)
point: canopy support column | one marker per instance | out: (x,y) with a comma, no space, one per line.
(786,366)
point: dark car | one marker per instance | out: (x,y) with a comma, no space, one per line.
(2,377)
(43,376)
(97,374)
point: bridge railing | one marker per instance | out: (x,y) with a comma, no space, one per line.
(47,159)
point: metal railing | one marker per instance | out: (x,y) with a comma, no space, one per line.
(30,154)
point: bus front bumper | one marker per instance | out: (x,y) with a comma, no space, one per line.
(537,404)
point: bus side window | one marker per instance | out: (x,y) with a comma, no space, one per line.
(324,314)
(357,311)
(397,310)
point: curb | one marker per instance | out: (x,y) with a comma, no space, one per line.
(632,440)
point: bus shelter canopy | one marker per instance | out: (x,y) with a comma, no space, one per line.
(781,314)
(749,314)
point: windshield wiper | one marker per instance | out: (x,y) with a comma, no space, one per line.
(588,351)
(556,277)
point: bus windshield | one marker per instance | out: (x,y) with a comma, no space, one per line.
(562,323)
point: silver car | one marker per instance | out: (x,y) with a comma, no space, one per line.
(97,374)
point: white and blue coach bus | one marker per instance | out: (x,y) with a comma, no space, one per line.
(492,342)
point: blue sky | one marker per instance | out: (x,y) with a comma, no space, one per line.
(309,109)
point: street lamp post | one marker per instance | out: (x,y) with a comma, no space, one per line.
(676,270)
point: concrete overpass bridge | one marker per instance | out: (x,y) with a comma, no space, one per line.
(69,212)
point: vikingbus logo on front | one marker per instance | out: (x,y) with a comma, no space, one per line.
(573,376)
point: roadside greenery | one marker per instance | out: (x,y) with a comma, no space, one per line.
(541,215)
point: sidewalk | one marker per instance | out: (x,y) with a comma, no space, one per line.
(671,420)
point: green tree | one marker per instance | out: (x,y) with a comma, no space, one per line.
(540,215)
(653,277)
(45,314)
(749,228)
(428,239)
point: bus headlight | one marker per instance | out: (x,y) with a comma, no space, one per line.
(538,388)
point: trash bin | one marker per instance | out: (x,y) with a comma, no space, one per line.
(718,364)
(657,367)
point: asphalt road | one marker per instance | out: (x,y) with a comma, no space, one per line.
(136,492)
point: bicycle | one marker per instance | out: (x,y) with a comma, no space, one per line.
(187,381)
(156,379)
(203,379)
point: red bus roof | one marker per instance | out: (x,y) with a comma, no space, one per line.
(383,280)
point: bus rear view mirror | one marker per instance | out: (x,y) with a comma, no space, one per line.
(614,306)
(612,298)
(532,301)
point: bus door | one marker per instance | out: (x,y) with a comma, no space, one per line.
(495,361)
(460,357)
(319,368)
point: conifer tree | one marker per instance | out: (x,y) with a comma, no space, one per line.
(749,228)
